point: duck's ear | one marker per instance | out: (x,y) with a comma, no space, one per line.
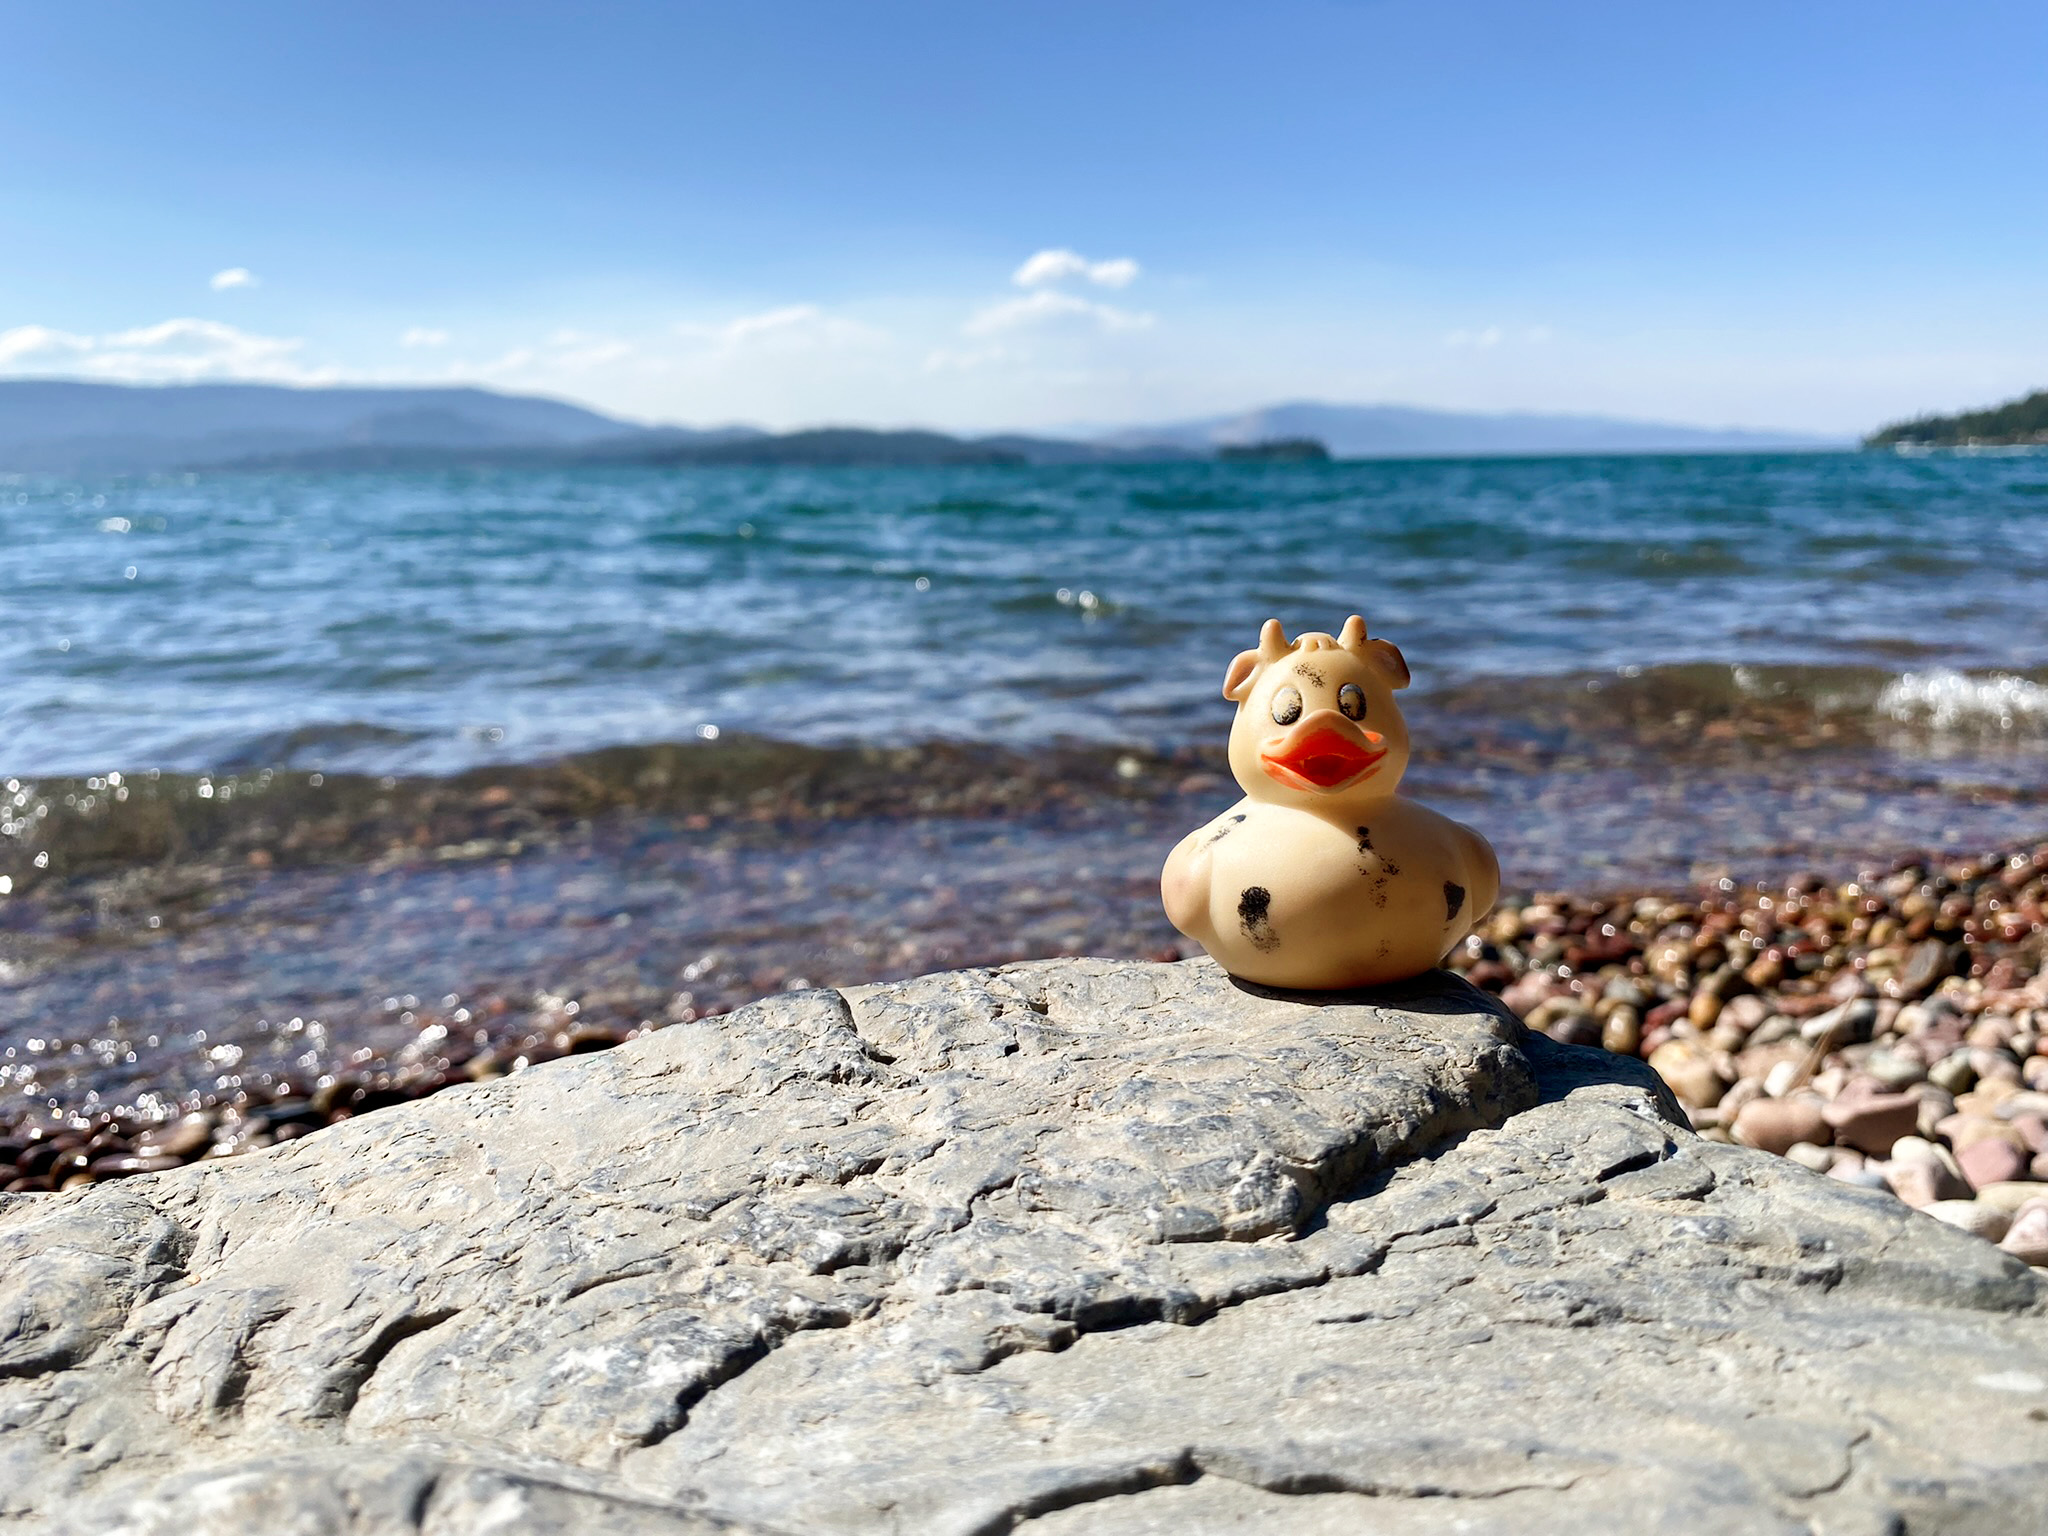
(1237,682)
(1387,656)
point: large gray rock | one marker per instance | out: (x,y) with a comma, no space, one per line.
(1073,1246)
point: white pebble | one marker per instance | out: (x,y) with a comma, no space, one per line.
(1973,1216)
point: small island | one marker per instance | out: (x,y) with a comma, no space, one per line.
(2014,424)
(1277,450)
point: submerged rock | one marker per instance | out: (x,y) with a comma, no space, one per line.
(1068,1246)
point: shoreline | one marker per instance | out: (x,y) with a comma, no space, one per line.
(207,964)
(1773,1006)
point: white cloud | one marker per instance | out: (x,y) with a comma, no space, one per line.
(792,341)
(1046,309)
(518,359)
(1049,307)
(234,277)
(423,336)
(544,365)
(774,322)
(1494,335)
(1118,272)
(191,349)
(29,342)
(1057,265)
(793,327)
(167,351)
(580,350)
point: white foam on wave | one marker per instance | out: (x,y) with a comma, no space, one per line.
(1949,700)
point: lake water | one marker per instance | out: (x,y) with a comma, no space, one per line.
(396,623)
(300,769)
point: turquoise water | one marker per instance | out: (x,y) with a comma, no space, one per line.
(429,622)
(299,772)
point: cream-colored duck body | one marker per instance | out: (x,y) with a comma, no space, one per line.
(1323,877)
(1291,899)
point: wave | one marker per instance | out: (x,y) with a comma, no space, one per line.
(1952,701)
(1970,731)
(53,828)
(1806,706)
(317,742)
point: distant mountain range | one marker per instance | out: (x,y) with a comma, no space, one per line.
(64,426)
(1389,431)
(58,426)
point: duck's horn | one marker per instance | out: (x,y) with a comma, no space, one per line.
(1353,636)
(1273,641)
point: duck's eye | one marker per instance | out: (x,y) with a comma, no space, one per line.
(1351,699)
(1287,706)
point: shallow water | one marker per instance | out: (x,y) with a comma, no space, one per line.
(340,763)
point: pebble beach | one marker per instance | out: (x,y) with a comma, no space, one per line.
(1889,1030)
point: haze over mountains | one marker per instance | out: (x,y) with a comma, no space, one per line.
(65,426)
(61,426)
(1376,431)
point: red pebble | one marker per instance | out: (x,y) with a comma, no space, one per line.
(1871,1123)
(1666,1013)
(1994,1160)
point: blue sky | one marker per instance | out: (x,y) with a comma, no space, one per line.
(1812,216)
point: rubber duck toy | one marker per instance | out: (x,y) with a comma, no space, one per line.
(1323,877)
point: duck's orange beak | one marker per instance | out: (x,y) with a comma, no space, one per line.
(1323,751)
